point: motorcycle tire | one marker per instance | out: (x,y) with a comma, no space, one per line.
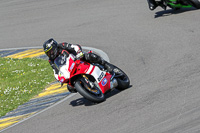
(196,3)
(86,93)
(122,79)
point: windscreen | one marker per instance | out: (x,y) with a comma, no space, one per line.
(60,61)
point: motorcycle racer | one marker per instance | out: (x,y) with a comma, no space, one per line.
(53,49)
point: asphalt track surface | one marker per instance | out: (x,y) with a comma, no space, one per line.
(158,50)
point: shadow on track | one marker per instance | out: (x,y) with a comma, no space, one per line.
(82,101)
(172,12)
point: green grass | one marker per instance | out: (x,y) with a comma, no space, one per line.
(22,79)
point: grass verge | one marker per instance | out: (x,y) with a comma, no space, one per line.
(22,79)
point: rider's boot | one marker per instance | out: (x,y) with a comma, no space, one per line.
(94,58)
(108,66)
(71,89)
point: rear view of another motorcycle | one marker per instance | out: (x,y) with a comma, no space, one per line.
(174,4)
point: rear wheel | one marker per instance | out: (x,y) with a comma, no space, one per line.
(89,90)
(196,3)
(122,78)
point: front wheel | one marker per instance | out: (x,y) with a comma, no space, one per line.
(92,93)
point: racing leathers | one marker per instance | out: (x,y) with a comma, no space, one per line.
(75,49)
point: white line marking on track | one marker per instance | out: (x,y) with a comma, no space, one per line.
(69,96)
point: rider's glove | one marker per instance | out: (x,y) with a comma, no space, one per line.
(79,55)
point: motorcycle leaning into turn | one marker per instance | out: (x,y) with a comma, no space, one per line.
(92,81)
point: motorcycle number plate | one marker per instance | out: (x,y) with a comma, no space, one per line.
(98,74)
(101,76)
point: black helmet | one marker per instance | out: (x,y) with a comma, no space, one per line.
(50,48)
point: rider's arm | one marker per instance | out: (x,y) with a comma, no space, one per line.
(71,48)
(55,70)
(57,75)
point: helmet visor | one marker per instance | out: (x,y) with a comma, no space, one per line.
(52,53)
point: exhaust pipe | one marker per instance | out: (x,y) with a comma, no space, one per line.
(113,84)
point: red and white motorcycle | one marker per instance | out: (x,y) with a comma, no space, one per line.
(92,81)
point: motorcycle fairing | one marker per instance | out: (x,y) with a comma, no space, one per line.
(102,77)
(105,83)
(175,4)
(70,68)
